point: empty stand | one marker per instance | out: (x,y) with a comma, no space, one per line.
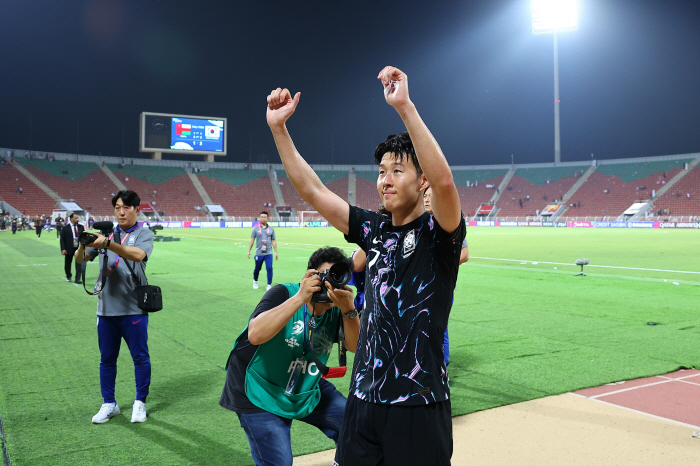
(32,201)
(676,199)
(170,184)
(336,181)
(82,182)
(625,183)
(477,193)
(242,193)
(291,196)
(366,194)
(535,187)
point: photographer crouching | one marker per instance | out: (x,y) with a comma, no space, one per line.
(275,367)
(118,312)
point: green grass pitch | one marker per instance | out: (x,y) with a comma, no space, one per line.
(518,331)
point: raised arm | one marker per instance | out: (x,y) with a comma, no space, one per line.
(446,202)
(280,106)
(268,324)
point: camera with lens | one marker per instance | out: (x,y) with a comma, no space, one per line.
(105,228)
(86,238)
(338,276)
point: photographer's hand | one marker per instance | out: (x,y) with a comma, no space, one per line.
(309,285)
(79,254)
(99,241)
(341,297)
(266,325)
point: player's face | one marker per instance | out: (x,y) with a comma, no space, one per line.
(426,201)
(263,219)
(398,183)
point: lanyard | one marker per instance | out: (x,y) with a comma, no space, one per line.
(308,333)
(267,233)
(128,232)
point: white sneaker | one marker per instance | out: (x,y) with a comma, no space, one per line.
(106,412)
(139,412)
(268,287)
(255,284)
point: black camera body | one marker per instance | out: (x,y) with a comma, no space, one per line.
(338,276)
(105,228)
(86,238)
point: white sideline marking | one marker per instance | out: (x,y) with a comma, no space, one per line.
(589,265)
(246,240)
(29,265)
(637,411)
(650,384)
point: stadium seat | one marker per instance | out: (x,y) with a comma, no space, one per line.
(622,182)
(32,201)
(82,182)
(242,193)
(169,183)
(676,199)
(477,193)
(532,182)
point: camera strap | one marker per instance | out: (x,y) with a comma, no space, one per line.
(136,278)
(330,372)
(103,276)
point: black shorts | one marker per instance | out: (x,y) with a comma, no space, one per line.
(377,434)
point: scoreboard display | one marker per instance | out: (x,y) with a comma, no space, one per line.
(177,134)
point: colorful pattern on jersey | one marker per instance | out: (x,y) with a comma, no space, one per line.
(411,273)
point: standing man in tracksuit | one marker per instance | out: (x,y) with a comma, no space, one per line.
(265,240)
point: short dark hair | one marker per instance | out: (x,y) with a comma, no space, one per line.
(71,215)
(401,146)
(265,212)
(128,197)
(326,254)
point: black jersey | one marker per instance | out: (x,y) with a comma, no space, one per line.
(411,276)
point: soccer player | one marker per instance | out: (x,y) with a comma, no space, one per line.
(263,236)
(398,409)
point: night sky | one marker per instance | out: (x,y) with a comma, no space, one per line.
(483,83)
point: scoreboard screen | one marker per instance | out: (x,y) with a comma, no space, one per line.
(182,134)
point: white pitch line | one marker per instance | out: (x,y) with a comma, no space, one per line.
(245,240)
(29,265)
(666,380)
(589,265)
(637,411)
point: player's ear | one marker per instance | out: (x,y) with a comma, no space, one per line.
(423,182)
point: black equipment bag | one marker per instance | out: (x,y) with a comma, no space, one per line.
(149,297)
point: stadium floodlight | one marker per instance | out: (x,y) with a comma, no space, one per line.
(581,262)
(552,17)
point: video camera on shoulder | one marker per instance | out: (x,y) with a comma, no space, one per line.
(105,229)
(338,276)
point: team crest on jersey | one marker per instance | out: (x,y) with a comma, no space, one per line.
(409,243)
(298,327)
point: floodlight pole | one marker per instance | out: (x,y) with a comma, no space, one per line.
(557,135)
